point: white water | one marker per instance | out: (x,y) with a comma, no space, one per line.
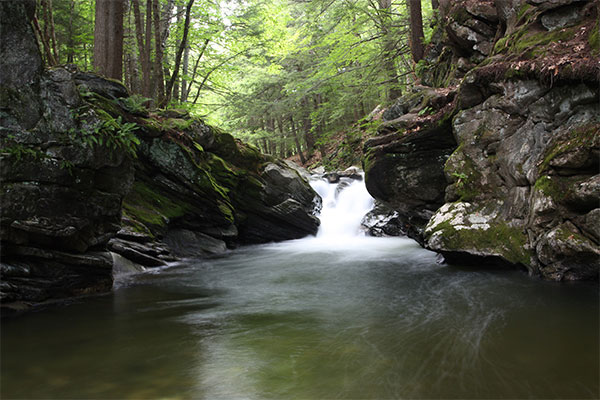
(344,206)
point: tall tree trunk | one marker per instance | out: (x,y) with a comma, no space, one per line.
(148,44)
(178,24)
(158,59)
(389,49)
(185,94)
(144,55)
(52,31)
(416,30)
(186,63)
(282,144)
(186,28)
(115,48)
(297,141)
(71,34)
(45,44)
(101,36)
(49,31)
(435,4)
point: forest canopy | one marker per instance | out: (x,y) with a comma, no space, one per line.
(283,75)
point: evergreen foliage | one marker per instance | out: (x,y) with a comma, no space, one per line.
(284,75)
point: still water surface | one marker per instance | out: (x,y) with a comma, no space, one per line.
(312,319)
(336,316)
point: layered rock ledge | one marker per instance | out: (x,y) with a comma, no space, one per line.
(496,157)
(91,179)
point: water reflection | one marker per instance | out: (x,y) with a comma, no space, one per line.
(377,318)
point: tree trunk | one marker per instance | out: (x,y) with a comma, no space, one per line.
(186,29)
(282,144)
(158,60)
(52,31)
(435,4)
(416,30)
(144,56)
(178,12)
(185,94)
(101,35)
(186,63)
(297,141)
(389,49)
(71,34)
(45,45)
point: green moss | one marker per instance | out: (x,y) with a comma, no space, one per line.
(135,225)
(466,176)
(500,238)
(525,8)
(585,136)
(549,187)
(152,126)
(535,42)
(148,206)
(178,124)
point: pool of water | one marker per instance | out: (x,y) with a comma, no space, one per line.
(348,318)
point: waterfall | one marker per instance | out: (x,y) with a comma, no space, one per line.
(344,205)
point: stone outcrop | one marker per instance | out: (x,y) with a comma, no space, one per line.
(87,170)
(60,197)
(511,154)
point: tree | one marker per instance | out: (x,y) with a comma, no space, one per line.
(416,30)
(186,28)
(108,38)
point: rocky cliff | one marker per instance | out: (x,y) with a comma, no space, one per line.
(496,155)
(90,178)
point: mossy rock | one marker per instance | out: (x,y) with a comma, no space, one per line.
(148,205)
(581,138)
(477,229)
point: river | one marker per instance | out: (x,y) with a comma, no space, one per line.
(339,315)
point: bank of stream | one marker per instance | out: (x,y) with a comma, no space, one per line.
(339,315)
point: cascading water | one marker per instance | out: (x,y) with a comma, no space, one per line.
(344,206)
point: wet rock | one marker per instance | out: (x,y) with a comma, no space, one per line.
(521,177)
(407,173)
(568,255)
(136,252)
(332,177)
(382,221)
(185,243)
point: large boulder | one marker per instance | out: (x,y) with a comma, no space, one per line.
(60,193)
(520,179)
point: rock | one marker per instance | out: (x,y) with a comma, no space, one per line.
(184,243)
(545,5)
(61,199)
(93,83)
(382,221)
(407,173)
(568,255)
(283,221)
(21,65)
(135,252)
(124,266)
(521,175)
(561,18)
(332,177)
(483,10)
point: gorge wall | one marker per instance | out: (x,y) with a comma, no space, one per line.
(92,180)
(496,155)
